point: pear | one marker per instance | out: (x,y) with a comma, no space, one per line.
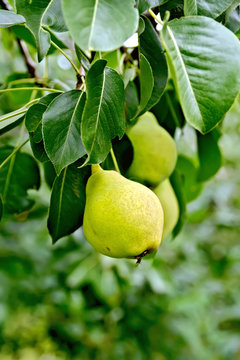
(168,199)
(122,218)
(155,152)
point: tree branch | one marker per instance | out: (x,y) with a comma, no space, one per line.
(30,65)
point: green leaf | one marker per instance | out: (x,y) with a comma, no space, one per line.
(54,17)
(34,12)
(169,112)
(35,113)
(61,129)
(114,59)
(9,18)
(11,125)
(144,5)
(189,171)
(209,154)
(131,100)
(123,151)
(177,184)
(202,68)
(25,34)
(82,58)
(175,7)
(151,48)
(190,7)
(103,116)
(34,116)
(49,173)
(146,85)
(233,21)
(1,207)
(18,175)
(101,25)
(210,8)
(33,124)
(38,149)
(67,201)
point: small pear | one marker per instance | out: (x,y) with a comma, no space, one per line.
(155,152)
(122,218)
(168,199)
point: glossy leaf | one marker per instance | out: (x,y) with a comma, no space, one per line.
(54,17)
(101,25)
(210,8)
(38,149)
(103,116)
(144,5)
(49,173)
(34,12)
(33,124)
(25,34)
(201,70)
(151,48)
(209,154)
(35,113)
(61,129)
(146,84)
(34,116)
(82,58)
(9,18)
(131,100)
(11,125)
(67,201)
(18,175)
(177,184)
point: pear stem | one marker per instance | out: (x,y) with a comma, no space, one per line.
(115,161)
(95,168)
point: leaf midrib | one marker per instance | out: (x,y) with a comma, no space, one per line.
(92,23)
(60,202)
(98,113)
(183,65)
(70,125)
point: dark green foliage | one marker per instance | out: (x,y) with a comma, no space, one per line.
(66,302)
(18,175)
(67,201)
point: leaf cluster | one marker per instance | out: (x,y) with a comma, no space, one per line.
(184,68)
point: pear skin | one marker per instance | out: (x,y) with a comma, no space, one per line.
(168,199)
(122,218)
(155,152)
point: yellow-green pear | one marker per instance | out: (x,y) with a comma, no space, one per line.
(168,199)
(155,152)
(122,218)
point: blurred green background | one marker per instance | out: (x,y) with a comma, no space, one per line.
(67,302)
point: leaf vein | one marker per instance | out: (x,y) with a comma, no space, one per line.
(60,200)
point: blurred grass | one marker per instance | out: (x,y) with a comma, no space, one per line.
(67,302)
